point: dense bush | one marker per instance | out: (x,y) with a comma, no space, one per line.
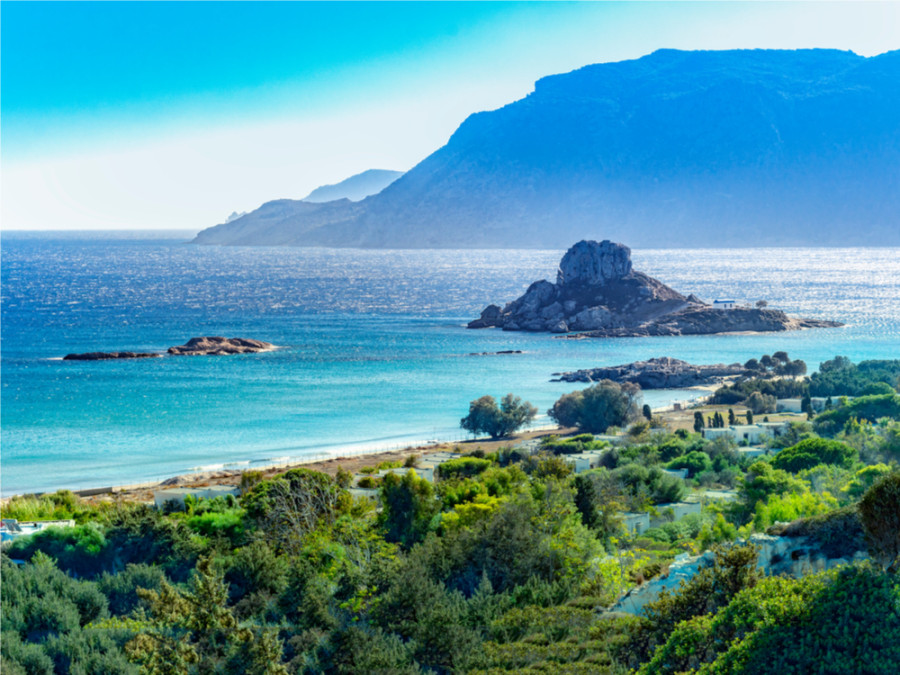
(695,462)
(879,510)
(464,467)
(812,452)
(840,377)
(808,625)
(598,407)
(869,408)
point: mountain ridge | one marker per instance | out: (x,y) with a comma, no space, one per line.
(679,149)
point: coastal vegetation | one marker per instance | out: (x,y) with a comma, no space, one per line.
(485,416)
(508,561)
(599,407)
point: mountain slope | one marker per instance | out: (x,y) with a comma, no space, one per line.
(356,187)
(729,148)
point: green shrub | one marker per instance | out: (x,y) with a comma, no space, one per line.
(814,451)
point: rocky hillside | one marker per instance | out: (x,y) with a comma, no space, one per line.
(728,148)
(356,187)
(598,294)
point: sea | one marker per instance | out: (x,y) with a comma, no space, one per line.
(372,353)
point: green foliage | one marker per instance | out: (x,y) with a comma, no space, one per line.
(408,506)
(866,478)
(759,403)
(758,483)
(598,407)
(812,452)
(47,620)
(879,511)
(80,549)
(651,485)
(765,386)
(785,508)
(121,589)
(61,505)
(464,467)
(695,462)
(869,408)
(840,377)
(710,589)
(805,625)
(485,416)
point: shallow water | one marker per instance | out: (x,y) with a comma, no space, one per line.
(373,352)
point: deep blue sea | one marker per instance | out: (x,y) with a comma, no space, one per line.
(373,352)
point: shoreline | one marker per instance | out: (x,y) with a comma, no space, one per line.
(143,491)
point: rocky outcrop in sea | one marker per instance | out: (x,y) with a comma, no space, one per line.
(198,346)
(106,356)
(218,346)
(598,294)
(661,373)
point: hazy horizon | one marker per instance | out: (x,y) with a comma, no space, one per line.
(121,116)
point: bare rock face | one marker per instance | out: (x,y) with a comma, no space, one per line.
(592,263)
(106,356)
(217,346)
(598,294)
(596,289)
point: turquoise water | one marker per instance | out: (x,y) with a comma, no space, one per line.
(372,354)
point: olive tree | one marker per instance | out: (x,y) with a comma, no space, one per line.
(599,407)
(485,416)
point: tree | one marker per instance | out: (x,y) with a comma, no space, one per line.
(879,510)
(749,417)
(761,304)
(586,501)
(648,414)
(732,420)
(760,403)
(599,407)
(485,416)
(409,505)
(698,422)
(814,451)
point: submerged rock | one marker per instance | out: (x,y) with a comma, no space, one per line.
(217,346)
(106,356)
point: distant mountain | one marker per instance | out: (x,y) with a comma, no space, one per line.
(356,187)
(729,148)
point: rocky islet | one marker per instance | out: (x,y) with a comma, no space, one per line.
(198,346)
(598,294)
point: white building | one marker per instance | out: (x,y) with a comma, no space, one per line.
(636,523)
(585,461)
(678,511)
(748,433)
(724,304)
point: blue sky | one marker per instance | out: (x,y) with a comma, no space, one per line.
(173,114)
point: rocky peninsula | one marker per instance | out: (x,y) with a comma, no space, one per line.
(661,373)
(598,294)
(198,346)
